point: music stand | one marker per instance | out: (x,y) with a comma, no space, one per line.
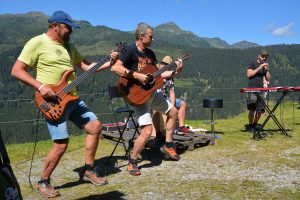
(213,103)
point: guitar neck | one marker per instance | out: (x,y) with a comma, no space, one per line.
(165,68)
(85,75)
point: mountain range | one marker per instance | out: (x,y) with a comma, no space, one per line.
(168,32)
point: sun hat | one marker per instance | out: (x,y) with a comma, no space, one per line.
(167,60)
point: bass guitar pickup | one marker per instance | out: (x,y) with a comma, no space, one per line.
(45,107)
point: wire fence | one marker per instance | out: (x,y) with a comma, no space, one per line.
(20,117)
(19,127)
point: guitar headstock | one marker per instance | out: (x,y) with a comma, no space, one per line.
(184,56)
(121,47)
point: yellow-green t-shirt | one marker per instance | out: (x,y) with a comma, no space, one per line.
(50,59)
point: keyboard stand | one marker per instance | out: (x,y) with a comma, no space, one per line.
(257,135)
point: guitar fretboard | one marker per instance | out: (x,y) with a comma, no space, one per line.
(85,75)
(165,68)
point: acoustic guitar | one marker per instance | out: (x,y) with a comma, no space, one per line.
(53,109)
(137,93)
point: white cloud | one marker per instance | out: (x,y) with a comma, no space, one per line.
(283,31)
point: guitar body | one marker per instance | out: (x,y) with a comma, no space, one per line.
(136,93)
(54,109)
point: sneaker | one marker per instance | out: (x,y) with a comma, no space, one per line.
(46,190)
(169,153)
(184,129)
(258,127)
(250,128)
(133,169)
(93,177)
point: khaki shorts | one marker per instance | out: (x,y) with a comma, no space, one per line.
(253,103)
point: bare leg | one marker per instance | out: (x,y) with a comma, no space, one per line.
(251,116)
(93,130)
(58,149)
(141,141)
(171,123)
(181,114)
(169,149)
(257,117)
(156,123)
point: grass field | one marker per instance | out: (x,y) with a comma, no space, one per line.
(236,167)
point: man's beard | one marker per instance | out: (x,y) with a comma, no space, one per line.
(65,37)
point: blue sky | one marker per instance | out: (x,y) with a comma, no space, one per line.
(265,22)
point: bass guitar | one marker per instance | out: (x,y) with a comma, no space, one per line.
(137,93)
(53,109)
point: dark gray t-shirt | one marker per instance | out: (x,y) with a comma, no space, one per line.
(256,81)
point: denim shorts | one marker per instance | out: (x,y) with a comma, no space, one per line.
(177,102)
(157,102)
(77,112)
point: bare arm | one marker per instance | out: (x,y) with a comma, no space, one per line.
(86,65)
(268,74)
(167,74)
(251,72)
(19,71)
(179,68)
(119,69)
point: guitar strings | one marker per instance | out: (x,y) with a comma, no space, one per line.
(64,92)
(84,75)
(160,71)
(169,66)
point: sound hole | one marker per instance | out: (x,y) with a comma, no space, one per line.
(150,79)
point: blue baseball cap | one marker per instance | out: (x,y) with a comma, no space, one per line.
(62,17)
